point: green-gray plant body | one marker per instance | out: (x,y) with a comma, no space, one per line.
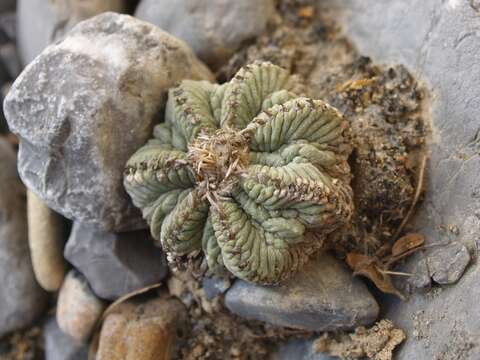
(249,172)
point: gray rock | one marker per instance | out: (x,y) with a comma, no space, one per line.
(78,309)
(439,42)
(8,26)
(85,105)
(60,346)
(36,26)
(115,263)
(21,298)
(298,349)
(322,297)
(447,264)
(420,278)
(214,28)
(41,22)
(215,286)
(7,5)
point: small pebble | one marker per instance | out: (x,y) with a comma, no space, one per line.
(46,235)
(142,331)
(215,286)
(448,263)
(78,309)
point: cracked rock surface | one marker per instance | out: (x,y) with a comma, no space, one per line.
(439,42)
(71,106)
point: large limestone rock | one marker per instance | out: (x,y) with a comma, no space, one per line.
(85,105)
(214,28)
(21,298)
(439,42)
(321,297)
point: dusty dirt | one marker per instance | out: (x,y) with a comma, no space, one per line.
(376,343)
(383,106)
(23,345)
(215,333)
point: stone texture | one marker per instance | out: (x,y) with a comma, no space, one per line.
(142,331)
(215,286)
(46,237)
(60,346)
(36,27)
(85,105)
(321,297)
(21,299)
(420,279)
(447,264)
(439,42)
(42,22)
(215,28)
(298,349)
(115,263)
(78,309)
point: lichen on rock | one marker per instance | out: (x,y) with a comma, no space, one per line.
(250,172)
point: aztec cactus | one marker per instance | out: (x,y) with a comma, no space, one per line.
(249,172)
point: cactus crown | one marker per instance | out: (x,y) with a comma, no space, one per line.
(249,172)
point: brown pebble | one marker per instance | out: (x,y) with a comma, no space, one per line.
(78,308)
(142,331)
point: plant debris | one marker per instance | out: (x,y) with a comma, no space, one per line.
(22,345)
(376,343)
(377,268)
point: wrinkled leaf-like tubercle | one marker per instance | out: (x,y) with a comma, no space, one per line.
(249,172)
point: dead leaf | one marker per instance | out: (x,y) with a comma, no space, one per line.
(365,265)
(381,280)
(407,243)
(357,261)
(306,12)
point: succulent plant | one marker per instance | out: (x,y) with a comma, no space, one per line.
(249,172)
